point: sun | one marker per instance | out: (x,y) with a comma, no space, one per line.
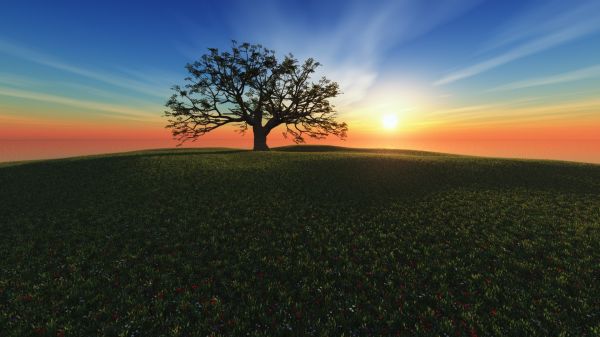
(389,121)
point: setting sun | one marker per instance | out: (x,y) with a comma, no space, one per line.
(389,121)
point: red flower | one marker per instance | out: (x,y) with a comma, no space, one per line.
(194,286)
(40,330)
(60,333)
(493,312)
(473,332)
(179,290)
(161,295)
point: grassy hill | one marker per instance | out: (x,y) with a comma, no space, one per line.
(299,241)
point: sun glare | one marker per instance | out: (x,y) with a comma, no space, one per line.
(389,121)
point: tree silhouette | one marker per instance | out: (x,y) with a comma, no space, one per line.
(249,87)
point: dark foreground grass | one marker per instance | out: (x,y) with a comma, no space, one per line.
(331,243)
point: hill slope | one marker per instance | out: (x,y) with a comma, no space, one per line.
(299,243)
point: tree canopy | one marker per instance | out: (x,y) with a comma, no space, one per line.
(251,88)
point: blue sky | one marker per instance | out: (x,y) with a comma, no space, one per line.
(438,59)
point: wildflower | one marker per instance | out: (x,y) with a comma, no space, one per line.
(26,298)
(39,330)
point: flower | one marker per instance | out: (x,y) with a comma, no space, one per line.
(39,330)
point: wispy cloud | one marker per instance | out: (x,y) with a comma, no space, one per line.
(548,15)
(350,40)
(576,75)
(469,110)
(112,109)
(519,111)
(580,111)
(105,77)
(553,29)
(81,91)
(18,81)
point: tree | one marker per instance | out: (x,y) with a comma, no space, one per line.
(249,87)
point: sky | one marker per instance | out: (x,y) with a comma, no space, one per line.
(493,78)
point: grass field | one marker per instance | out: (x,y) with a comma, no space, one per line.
(299,242)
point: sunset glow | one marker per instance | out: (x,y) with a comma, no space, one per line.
(493,78)
(389,121)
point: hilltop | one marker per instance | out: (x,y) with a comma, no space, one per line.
(298,241)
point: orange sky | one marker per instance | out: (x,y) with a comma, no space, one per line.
(491,78)
(24,139)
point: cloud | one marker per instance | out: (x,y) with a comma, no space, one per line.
(580,110)
(469,110)
(524,110)
(350,40)
(49,61)
(573,23)
(14,81)
(576,75)
(112,109)
(548,15)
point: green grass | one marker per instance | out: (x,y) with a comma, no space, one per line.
(335,242)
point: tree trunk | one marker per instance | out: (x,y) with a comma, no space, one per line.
(260,138)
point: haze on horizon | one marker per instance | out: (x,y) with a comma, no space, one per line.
(494,78)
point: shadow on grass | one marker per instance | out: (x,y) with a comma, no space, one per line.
(331,148)
(167,152)
(210,151)
(178,152)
